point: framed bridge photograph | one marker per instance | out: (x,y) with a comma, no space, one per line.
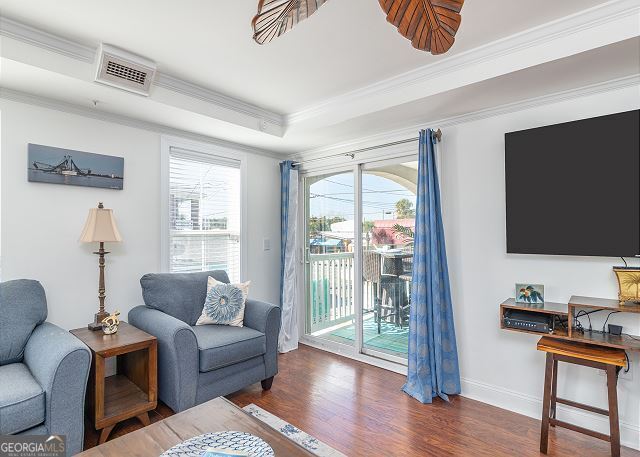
(75,168)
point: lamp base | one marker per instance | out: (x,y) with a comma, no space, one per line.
(97,323)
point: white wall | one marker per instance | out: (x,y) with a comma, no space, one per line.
(41,223)
(499,366)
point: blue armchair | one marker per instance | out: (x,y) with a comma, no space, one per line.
(43,369)
(198,363)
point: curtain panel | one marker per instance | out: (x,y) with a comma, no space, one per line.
(433,357)
(288,337)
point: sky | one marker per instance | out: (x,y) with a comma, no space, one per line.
(334,196)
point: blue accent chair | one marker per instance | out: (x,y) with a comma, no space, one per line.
(43,369)
(198,363)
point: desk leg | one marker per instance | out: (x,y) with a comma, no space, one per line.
(546,404)
(554,389)
(614,425)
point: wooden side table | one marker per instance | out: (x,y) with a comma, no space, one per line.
(132,391)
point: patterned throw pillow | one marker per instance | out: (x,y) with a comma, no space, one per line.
(224,304)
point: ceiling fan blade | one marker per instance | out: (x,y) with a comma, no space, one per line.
(277,17)
(430,25)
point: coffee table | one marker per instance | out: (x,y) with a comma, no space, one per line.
(216,415)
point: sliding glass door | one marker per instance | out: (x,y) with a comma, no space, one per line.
(359,251)
(388,219)
(330,215)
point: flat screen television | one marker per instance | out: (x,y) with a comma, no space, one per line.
(574,188)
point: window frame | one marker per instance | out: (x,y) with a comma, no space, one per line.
(206,152)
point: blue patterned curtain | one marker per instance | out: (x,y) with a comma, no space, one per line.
(288,337)
(433,355)
(285,179)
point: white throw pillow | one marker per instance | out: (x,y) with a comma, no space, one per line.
(224,304)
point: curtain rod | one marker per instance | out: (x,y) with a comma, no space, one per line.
(436,134)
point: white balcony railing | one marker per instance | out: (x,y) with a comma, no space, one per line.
(331,295)
(331,298)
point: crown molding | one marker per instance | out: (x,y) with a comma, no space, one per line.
(68,48)
(31,99)
(45,40)
(542,34)
(408,132)
(268,121)
(201,93)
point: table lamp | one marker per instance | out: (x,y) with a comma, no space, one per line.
(100,228)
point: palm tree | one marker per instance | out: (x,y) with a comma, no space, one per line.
(404,209)
(405,233)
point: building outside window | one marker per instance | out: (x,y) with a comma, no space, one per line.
(204,214)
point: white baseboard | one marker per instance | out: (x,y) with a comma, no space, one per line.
(532,407)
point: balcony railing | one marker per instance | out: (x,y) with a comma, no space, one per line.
(331,295)
(331,292)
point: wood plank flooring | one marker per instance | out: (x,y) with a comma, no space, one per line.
(360,410)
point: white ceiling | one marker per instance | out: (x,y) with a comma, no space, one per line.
(342,75)
(346,45)
(581,70)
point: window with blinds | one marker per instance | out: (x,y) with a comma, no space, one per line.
(204,214)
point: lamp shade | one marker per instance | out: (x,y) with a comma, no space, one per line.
(100,226)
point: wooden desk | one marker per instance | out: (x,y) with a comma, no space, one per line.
(132,391)
(569,310)
(566,343)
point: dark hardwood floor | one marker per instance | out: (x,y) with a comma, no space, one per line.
(360,410)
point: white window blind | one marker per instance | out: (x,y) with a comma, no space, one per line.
(204,214)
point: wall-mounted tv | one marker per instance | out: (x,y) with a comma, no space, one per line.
(574,188)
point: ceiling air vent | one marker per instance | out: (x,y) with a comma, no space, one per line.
(121,69)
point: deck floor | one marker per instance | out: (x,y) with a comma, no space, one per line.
(392,339)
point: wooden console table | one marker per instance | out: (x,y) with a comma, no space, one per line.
(568,312)
(132,391)
(567,343)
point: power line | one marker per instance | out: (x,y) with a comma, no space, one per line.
(381,205)
(346,200)
(345,185)
(389,192)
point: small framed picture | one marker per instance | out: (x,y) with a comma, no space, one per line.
(530,293)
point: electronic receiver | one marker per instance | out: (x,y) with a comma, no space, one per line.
(523,320)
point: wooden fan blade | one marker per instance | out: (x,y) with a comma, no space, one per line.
(277,17)
(430,25)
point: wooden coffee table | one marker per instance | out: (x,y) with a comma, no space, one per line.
(217,415)
(132,391)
